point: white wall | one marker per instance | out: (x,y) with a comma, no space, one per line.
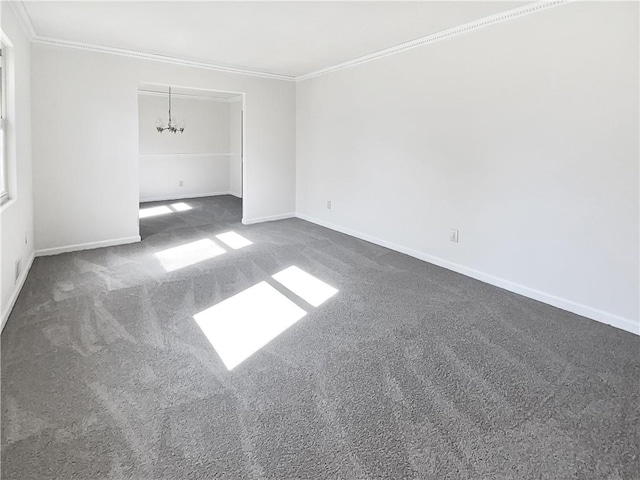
(207,125)
(522,135)
(16,217)
(235,147)
(201,176)
(198,157)
(85,148)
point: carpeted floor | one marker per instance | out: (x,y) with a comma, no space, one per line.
(408,371)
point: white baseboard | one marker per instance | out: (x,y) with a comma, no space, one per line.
(87,246)
(271,218)
(562,303)
(16,292)
(235,194)
(163,198)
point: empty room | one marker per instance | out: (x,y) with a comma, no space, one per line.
(320,240)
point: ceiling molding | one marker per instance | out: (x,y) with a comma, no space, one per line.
(23,18)
(434,37)
(159,58)
(190,96)
(18,8)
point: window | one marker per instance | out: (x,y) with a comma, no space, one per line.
(4,191)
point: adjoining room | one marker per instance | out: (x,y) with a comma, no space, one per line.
(190,147)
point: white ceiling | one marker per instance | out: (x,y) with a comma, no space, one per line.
(286,38)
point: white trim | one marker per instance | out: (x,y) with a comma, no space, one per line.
(159,58)
(187,154)
(584,310)
(190,97)
(163,198)
(434,37)
(4,39)
(270,218)
(87,246)
(188,87)
(7,202)
(16,292)
(23,19)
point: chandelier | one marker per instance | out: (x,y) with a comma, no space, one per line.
(172,126)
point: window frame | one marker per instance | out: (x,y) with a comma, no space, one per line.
(4,180)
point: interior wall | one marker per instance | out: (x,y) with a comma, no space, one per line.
(206,121)
(235,149)
(16,215)
(193,163)
(85,148)
(522,135)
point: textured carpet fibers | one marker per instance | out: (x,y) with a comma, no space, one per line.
(114,364)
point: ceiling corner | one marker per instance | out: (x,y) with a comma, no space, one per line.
(18,8)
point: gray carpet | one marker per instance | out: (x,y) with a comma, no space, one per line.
(409,371)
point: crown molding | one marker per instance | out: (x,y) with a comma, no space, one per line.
(442,35)
(190,96)
(158,58)
(17,7)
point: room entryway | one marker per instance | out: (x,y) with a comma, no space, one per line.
(190,146)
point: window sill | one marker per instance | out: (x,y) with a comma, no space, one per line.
(6,203)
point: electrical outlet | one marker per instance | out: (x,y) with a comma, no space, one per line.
(180,183)
(453,235)
(328,204)
(18,269)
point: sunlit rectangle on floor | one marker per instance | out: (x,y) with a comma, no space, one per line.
(181,206)
(243,324)
(189,254)
(305,285)
(153,211)
(234,240)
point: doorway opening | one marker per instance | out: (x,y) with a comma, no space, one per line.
(190,149)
